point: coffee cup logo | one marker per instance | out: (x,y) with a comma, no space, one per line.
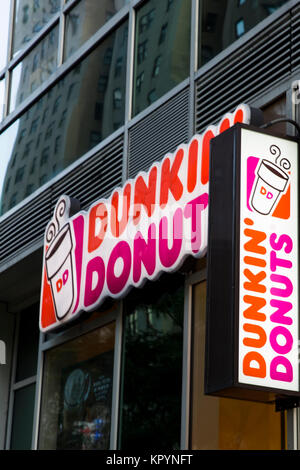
(59,259)
(270,183)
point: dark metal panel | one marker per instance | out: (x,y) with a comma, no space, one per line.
(94,178)
(159,133)
(24,227)
(295,37)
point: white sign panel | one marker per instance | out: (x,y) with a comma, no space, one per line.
(268,279)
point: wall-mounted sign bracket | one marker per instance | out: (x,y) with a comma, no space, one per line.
(286,403)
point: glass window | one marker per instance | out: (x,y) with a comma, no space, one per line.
(163,33)
(2,98)
(156,68)
(22,418)
(26,369)
(30,18)
(60,112)
(142,51)
(85,19)
(152,367)
(28,343)
(77,393)
(169,4)
(162,30)
(225,423)
(34,69)
(117,98)
(221,23)
(4,33)
(139,81)
(240,28)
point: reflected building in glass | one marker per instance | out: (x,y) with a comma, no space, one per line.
(161,50)
(226,21)
(50,134)
(30,18)
(99,90)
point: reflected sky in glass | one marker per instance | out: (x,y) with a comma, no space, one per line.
(4,24)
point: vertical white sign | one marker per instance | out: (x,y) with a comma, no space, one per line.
(268,282)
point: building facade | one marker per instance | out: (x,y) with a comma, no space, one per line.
(92,93)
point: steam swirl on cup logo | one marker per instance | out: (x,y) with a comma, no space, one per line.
(51,232)
(284,162)
(55,224)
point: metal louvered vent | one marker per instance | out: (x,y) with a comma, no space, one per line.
(89,181)
(295,37)
(20,233)
(93,179)
(248,72)
(159,133)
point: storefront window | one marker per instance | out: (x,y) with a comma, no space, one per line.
(225,423)
(53,125)
(162,30)
(221,23)
(30,18)
(28,344)
(77,392)
(152,368)
(85,19)
(34,70)
(23,418)
(24,379)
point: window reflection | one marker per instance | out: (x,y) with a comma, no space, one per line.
(22,421)
(224,22)
(85,19)
(152,367)
(2,98)
(225,423)
(162,49)
(4,25)
(50,135)
(77,393)
(36,67)
(30,18)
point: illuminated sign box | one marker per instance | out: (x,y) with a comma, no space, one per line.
(143,229)
(252,333)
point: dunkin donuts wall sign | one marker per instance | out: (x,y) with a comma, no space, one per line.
(145,228)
